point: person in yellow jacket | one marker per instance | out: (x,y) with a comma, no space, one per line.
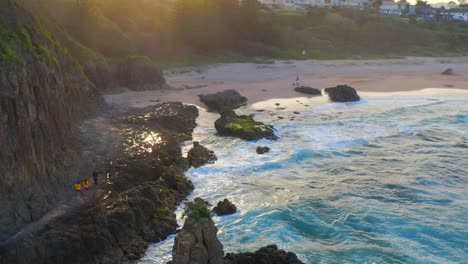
(78,187)
(86,184)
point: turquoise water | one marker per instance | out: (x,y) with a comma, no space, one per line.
(384,180)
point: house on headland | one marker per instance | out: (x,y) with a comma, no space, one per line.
(390,8)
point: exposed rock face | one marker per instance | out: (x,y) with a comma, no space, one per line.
(43,96)
(134,73)
(308,90)
(262,150)
(135,203)
(448,71)
(342,93)
(268,254)
(225,207)
(200,155)
(223,101)
(244,127)
(197,243)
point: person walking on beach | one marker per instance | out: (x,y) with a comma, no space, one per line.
(296,83)
(95,177)
(86,184)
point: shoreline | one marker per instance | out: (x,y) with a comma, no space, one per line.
(261,82)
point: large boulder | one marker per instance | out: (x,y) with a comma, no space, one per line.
(197,243)
(268,254)
(244,127)
(342,93)
(308,90)
(223,101)
(134,73)
(200,155)
(448,71)
(225,207)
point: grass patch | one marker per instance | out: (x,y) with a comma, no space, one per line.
(247,124)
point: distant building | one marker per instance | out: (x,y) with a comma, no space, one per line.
(390,8)
(460,14)
(301,4)
(426,12)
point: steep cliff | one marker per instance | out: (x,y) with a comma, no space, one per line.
(43,93)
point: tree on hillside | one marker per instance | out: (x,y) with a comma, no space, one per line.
(421,3)
(451,5)
(376,4)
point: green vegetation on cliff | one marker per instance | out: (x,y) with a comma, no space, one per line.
(194,31)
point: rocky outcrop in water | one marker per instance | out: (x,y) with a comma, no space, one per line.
(223,101)
(43,97)
(342,93)
(197,243)
(200,155)
(135,202)
(308,90)
(225,207)
(134,73)
(262,150)
(268,254)
(244,127)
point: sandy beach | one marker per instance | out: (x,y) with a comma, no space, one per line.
(261,82)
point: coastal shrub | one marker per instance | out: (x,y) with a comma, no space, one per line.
(8,54)
(196,210)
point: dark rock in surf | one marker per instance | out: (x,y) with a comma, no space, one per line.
(342,93)
(268,254)
(262,150)
(225,207)
(200,155)
(197,243)
(308,90)
(223,101)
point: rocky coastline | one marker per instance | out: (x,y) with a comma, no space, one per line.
(142,183)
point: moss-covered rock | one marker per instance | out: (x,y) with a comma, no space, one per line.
(244,127)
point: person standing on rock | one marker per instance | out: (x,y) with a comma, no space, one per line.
(78,187)
(95,177)
(86,184)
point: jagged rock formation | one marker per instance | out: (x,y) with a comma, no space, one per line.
(308,90)
(268,254)
(342,93)
(197,243)
(43,96)
(225,207)
(262,150)
(200,155)
(223,101)
(134,73)
(244,127)
(133,208)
